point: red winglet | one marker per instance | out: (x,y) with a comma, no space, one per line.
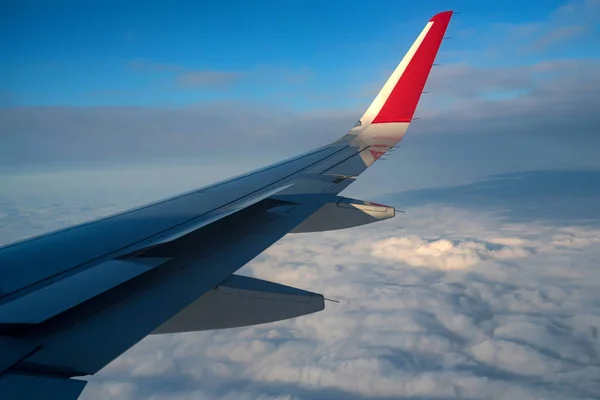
(402,102)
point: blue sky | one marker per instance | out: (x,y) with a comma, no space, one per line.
(304,55)
(232,87)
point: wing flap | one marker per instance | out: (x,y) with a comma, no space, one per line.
(26,387)
(345,213)
(243,301)
(49,301)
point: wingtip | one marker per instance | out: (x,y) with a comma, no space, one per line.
(444,16)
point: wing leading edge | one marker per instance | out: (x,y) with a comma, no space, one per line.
(168,267)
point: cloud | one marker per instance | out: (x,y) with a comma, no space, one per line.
(443,253)
(522,324)
(466,304)
(463,80)
(147,66)
(560,99)
(552,102)
(186,77)
(269,74)
(116,134)
(578,9)
(212,79)
(565,28)
(519,197)
(560,34)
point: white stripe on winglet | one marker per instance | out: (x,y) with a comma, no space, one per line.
(384,93)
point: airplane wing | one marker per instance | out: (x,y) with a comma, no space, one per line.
(73,300)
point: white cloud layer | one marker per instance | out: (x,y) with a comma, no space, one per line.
(443,302)
(440,303)
(444,253)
